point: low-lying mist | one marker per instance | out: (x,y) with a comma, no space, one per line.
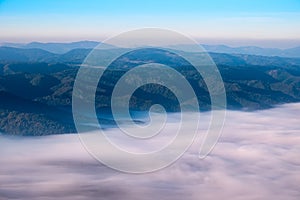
(257,157)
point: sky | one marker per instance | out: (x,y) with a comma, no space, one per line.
(236,22)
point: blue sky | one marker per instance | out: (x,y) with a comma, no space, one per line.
(209,20)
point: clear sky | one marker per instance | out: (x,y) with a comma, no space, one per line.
(238,22)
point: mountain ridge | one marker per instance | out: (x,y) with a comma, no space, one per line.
(43,82)
(76,56)
(64,47)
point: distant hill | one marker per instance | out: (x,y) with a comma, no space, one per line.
(247,50)
(61,48)
(10,55)
(76,56)
(252,50)
(55,47)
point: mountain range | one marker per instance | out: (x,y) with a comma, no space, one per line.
(60,48)
(36,85)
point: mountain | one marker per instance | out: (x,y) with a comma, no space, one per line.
(36,86)
(20,116)
(252,50)
(10,44)
(61,48)
(292,52)
(57,48)
(10,54)
(77,56)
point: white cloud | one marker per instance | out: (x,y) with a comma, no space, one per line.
(257,157)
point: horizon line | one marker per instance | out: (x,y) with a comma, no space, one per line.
(233,43)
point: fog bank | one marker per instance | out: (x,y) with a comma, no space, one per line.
(257,157)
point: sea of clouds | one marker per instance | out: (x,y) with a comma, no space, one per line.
(257,157)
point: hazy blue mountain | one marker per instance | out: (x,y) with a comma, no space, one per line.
(61,48)
(56,47)
(10,54)
(76,56)
(11,44)
(248,50)
(252,50)
(292,52)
